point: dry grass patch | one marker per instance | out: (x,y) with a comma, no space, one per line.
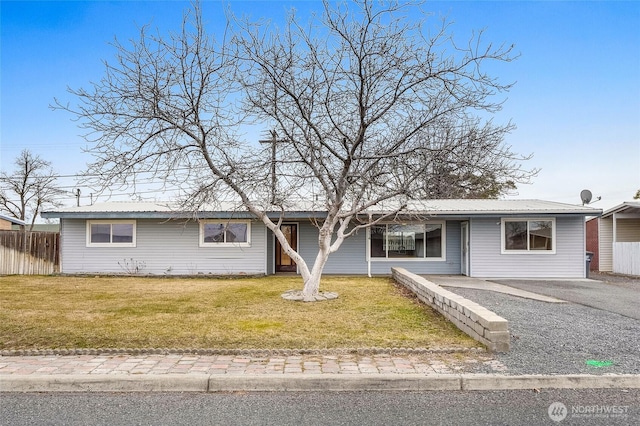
(131,312)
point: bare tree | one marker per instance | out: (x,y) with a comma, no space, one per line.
(359,103)
(472,162)
(30,188)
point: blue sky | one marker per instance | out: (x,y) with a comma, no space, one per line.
(576,102)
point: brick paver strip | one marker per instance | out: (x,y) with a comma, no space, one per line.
(236,365)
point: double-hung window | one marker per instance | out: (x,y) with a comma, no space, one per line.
(217,233)
(111,233)
(408,241)
(528,235)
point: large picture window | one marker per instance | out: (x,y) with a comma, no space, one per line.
(528,235)
(114,233)
(224,233)
(414,241)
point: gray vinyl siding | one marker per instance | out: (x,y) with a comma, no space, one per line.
(171,247)
(605,242)
(351,258)
(162,247)
(488,261)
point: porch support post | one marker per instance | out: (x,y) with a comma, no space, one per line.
(368,248)
(266,250)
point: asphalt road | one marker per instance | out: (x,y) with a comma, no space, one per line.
(329,408)
(620,297)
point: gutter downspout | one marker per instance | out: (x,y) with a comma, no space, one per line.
(368,249)
(266,250)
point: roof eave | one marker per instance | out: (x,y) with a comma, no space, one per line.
(13,220)
(494,213)
(621,207)
(180,215)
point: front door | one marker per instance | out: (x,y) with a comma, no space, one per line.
(464,244)
(283,262)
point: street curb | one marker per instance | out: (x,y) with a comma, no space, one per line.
(569,381)
(335,382)
(307,382)
(104,383)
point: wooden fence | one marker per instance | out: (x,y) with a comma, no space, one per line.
(626,258)
(29,253)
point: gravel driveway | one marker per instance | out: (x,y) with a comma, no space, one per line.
(566,338)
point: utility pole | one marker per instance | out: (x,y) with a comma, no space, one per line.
(273,141)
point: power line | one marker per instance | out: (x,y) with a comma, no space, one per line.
(94,175)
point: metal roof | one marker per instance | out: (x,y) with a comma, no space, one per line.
(457,207)
(120,209)
(117,207)
(12,219)
(492,207)
(627,207)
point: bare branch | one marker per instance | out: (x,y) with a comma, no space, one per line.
(29,189)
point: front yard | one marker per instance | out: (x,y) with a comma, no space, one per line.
(42,312)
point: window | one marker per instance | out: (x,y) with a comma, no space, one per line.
(224,233)
(114,233)
(415,241)
(528,235)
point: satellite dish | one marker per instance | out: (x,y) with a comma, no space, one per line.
(585,195)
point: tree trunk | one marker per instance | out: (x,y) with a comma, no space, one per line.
(311,285)
(312,279)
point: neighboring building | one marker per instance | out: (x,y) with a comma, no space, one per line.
(592,243)
(618,239)
(479,238)
(41,227)
(7,221)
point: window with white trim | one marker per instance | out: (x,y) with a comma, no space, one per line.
(111,233)
(528,235)
(408,241)
(217,233)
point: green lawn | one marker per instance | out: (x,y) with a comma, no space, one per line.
(41,312)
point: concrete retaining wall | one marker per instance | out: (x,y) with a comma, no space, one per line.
(478,322)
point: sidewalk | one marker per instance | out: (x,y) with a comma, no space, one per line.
(211,373)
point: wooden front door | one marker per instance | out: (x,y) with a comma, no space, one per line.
(283,262)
